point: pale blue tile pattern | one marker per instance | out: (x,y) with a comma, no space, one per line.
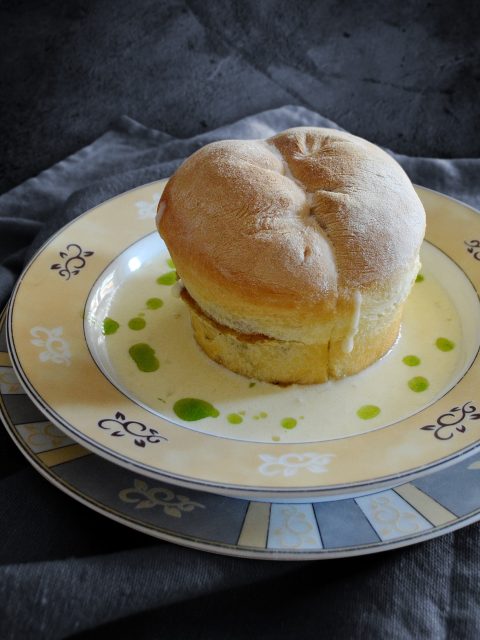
(391,516)
(293,526)
(9,383)
(43,436)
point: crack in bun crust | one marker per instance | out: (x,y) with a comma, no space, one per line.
(309,238)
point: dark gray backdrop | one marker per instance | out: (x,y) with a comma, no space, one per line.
(405,75)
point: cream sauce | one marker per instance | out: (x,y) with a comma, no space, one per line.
(320,412)
(177,288)
(348,341)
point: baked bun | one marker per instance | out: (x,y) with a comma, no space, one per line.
(296,253)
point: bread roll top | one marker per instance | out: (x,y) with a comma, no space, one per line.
(284,236)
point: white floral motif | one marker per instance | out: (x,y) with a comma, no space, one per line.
(391,516)
(147,209)
(390,519)
(295,530)
(57,349)
(290,463)
(9,382)
(146,497)
(44,435)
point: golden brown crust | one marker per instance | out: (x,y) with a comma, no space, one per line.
(282,237)
(288,362)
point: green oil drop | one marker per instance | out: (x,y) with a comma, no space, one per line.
(154,303)
(368,411)
(168,278)
(144,357)
(418,384)
(234,418)
(288,423)
(420,278)
(444,344)
(136,324)
(110,326)
(191,409)
(411,361)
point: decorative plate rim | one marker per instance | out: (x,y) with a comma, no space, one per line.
(228,488)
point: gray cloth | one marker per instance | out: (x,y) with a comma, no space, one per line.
(66,570)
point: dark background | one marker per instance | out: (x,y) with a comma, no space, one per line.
(403,74)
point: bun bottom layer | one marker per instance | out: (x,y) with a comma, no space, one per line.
(288,362)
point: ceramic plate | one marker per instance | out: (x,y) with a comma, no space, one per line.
(105,350)
(445,500)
